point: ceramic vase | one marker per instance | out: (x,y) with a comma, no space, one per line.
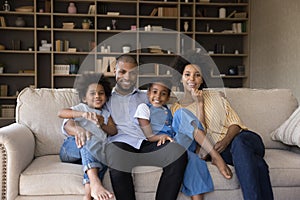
(20,22)
(72,8)
(186,26)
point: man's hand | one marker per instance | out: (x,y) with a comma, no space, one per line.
(163,138)
(81,137)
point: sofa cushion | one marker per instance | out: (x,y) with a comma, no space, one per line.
(37,109)
(289,131)
(262,110)
(284,167)
(47,175)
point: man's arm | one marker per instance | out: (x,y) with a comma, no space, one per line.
(110,128)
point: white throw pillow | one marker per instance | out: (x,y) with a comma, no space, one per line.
(289,131)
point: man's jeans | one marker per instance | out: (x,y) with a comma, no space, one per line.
(245,153)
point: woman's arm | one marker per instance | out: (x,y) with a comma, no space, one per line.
(232,131)
(199,99)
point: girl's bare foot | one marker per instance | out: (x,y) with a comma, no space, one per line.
(98,192)
(87,189)
(221,165)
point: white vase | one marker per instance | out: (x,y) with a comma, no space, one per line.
(186,26)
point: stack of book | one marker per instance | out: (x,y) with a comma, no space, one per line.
(7,111)
(61,69)
(155,49)
(68,25)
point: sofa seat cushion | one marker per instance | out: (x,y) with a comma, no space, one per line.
(47,175)
(284,167)
(221,183)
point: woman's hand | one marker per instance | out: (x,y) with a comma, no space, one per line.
(221,145)
(163,138)
(197,95)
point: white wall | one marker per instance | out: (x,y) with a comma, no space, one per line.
(275,44)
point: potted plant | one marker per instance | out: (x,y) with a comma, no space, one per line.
(73,64)
(86,23)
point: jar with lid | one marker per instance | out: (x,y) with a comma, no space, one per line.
(6,6)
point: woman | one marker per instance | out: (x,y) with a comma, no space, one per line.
(238,146)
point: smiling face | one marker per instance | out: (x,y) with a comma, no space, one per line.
(95,96)
(126,77)
(191,77)
(158,94)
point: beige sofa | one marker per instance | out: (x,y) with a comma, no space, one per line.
(31,169)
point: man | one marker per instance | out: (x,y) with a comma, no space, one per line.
(129,148)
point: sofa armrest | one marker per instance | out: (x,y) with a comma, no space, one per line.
(17,151)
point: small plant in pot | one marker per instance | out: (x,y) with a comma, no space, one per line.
(74,65)
(86,23)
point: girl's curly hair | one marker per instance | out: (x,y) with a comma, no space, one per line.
(87,79)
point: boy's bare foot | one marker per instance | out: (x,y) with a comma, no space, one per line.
(98,192)
(222,166)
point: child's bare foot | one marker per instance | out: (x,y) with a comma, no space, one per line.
(222,166)
(87,189)
(98,192)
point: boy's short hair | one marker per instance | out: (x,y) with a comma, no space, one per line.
(86,79)
(163,81)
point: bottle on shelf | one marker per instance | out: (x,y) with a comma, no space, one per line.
(6,6)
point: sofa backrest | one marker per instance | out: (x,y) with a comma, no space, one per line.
(38,109)
(262,110)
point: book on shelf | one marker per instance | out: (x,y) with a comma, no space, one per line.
(106,65)
(2,21)
(3,90)
(167,12)
(231,14)
(154,12)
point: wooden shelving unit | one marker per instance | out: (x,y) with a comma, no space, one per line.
(37,66)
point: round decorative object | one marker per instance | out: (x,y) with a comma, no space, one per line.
(20,22)
(72,8)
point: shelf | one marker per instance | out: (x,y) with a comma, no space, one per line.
(132,14)
(17,74)
(9,97)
